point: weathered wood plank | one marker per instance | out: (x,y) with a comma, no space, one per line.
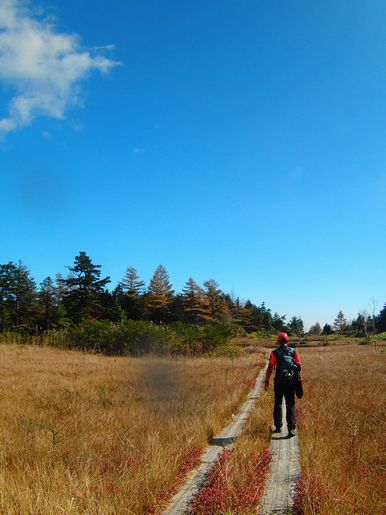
(224,440)
(284,473)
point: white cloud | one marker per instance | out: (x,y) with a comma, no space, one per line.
(44,67)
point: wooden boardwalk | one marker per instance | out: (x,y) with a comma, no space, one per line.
(196,480)
(284,474)
(284,471)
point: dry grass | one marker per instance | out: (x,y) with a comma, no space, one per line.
(88,433)
(341,431)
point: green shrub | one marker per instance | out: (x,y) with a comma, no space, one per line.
(216,334)
(132,337)
(129,337)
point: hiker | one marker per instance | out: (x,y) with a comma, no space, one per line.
(286,361)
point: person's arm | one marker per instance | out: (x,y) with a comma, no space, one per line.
(271,364)
(297,361)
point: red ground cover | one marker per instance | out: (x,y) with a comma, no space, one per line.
(222,493)
(186,464)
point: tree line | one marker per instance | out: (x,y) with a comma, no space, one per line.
(363,324)
(84,295)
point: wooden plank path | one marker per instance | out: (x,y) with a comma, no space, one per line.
(225,440)
(280,489)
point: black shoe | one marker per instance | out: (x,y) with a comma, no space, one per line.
(276,430)
(291,433)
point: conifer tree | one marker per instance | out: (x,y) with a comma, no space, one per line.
(17,295)
(327,329)
(225,313)
(61,291)
(278,322)
(195,303)
(245,317)
(131,284)
(296,326)
(381,320)
(129,293)
(315,329)
(214,298)
(82,298)
(340,322)
(47,306)
(262,315)
(159,296)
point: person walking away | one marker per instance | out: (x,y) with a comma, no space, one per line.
(286,362)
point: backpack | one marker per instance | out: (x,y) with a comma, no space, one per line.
(287,370)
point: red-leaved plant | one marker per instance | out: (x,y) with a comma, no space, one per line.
(223,493)
(187,463)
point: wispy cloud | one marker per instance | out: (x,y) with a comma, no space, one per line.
(138,150)
(44,67)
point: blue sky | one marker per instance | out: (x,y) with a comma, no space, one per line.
(238,140)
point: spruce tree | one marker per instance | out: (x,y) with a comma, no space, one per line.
(296,326)
(381,320)
(17,295)
(83,289)
(278,322)
(327,329)
(47,304)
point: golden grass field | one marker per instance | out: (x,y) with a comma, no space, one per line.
(342,430)
(83,433)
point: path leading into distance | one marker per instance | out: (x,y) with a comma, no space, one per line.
(284,471)
(225,440)
(280,489)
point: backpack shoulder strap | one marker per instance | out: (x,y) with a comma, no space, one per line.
(278,354)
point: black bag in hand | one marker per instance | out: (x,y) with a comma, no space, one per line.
(298,386)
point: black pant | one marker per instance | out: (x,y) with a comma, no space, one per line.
(288,391)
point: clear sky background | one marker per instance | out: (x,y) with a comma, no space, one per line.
(240,140)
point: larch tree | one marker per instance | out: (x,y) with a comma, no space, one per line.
(245,317)
(132,285)
(214,298)
(159,296)
(130,294)
(195,303)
